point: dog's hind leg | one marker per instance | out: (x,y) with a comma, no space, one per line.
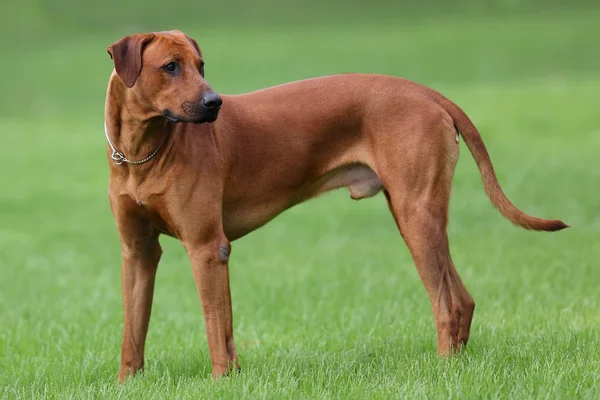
(423,226)
(465,305)
(418,194)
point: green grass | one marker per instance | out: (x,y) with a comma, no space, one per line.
(327,302)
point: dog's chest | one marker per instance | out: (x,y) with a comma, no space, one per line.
(153,206)
(157,216)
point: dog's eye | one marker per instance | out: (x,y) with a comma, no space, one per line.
(202,70)
(171,67)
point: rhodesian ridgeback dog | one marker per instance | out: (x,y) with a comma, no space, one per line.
(209,169)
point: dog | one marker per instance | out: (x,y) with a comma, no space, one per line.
(208,169)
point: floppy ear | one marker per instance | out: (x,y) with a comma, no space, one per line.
(127,56)
(195,44)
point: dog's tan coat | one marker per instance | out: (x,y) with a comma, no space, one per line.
(212,183)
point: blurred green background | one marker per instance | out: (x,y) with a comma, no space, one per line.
(41,37)
(327,302)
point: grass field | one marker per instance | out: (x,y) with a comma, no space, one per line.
(327,302)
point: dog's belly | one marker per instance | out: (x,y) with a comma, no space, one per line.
(242,217)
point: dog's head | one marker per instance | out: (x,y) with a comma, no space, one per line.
(165,70)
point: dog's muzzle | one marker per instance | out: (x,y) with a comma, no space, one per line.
(205,110)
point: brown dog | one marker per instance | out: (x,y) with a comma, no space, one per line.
(177,169)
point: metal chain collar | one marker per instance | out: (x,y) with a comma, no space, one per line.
(119,158)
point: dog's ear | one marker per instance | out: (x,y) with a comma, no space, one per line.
(127,56)
(195,44)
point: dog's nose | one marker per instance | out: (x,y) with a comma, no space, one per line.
(212,100)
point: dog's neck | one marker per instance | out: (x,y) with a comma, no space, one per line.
(133,130)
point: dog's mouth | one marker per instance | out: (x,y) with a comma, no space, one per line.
(210,116)
(170,116)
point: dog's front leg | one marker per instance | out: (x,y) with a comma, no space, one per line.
(141,253)
(210,265)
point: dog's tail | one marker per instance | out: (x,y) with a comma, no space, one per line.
(490,182)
